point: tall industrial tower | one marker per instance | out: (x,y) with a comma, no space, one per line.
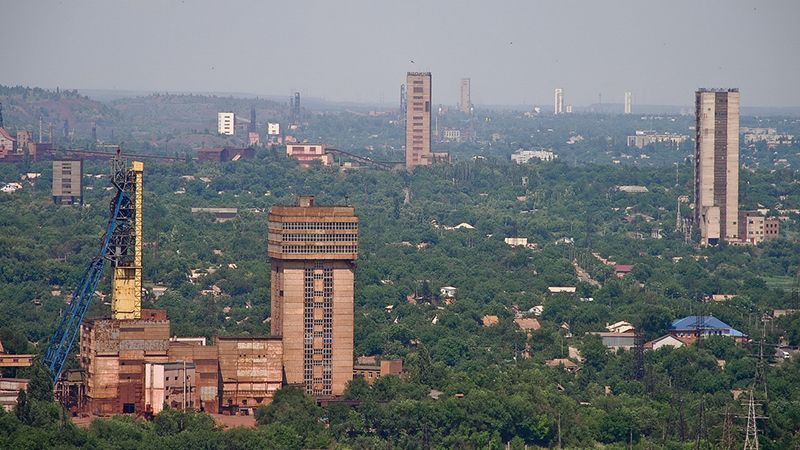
(295,103)
(312,251)
(558,101)
(418,120)
(465,102)
(125,248)
(402,99)
(717,165)
(628,102)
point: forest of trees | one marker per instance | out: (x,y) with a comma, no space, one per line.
(489,393)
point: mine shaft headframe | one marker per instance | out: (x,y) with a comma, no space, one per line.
(125,250)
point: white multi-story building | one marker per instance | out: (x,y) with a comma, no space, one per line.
(226,123)
(558,106)
(628,102)
(523,156)
(273,129)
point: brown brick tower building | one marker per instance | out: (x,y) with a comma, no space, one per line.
(418,119)
(717,165)
(312,250)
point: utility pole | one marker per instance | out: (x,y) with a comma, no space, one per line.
(184,385)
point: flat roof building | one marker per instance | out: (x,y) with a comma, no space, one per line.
(418,120)
(312,251)
(226,123)
(309,154)
(717,165)
(628,103)
(558,101)
(68,182)
(465,102)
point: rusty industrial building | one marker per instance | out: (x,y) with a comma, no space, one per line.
(130,364)
(312,252)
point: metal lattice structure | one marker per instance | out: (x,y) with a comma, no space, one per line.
(117,246)
(751,433)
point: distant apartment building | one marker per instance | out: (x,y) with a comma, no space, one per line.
(523,156)
(558,101)
(628,108)
(7,143)
(768,135)
(465,102)
(253,138)
(717,165)
(371,372)
(68,182)
(418,120)
(273,129)
(451,135)
(226,123)
(644,138)
(754,228)
(312,251)
(309,154)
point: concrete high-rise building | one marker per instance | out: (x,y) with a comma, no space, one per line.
(558,106)
(717,165)
(465,102)
(225,123)
(312,250)
(68,182)
(418,119)
(628,102)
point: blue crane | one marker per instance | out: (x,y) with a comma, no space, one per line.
(69,326)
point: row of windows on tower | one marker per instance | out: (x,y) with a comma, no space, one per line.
(309,249)
(319,237)
(319,225)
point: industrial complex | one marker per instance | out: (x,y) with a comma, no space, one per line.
(131,363)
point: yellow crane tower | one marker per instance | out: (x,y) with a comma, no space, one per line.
(126,295)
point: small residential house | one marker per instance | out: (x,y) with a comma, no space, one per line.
(620,327)
(567,364)
(620,270)
(616,341)
(667,340)
(488,320)
(691,327)
(562,289)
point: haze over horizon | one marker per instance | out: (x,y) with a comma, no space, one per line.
(359,51)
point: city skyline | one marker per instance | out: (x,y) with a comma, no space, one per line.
(650,57)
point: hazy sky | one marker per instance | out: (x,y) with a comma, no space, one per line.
(516,52)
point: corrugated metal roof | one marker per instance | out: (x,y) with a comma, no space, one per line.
(704,323)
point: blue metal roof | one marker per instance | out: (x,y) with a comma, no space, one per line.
(705,323)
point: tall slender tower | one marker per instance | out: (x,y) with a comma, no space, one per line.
(418,120)
(628,102)
(126,243)
(312,251)
(558,101)
(465,102)
(717,165)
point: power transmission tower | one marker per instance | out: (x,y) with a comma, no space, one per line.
(728,438)
(638,370)
(761,365)
(751,432)
(701,431)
